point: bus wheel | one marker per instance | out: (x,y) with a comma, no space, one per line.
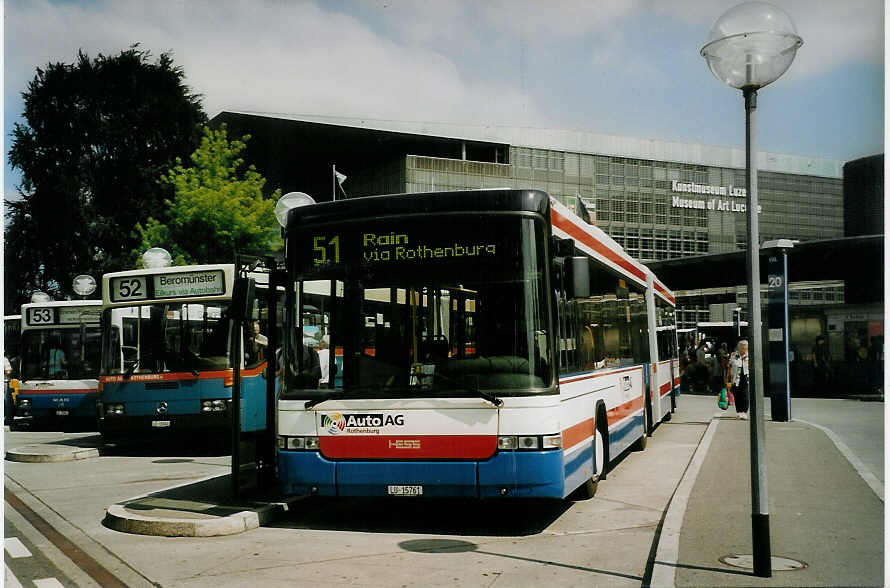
(588,489)
(601,446)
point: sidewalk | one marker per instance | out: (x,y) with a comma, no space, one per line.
(821,512)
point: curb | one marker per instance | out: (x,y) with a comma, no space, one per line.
(30,454)
(664,569)
(118,518)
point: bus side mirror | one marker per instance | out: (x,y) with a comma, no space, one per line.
(580,274)
(572,274)
(243,294)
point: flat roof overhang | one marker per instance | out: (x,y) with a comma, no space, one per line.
(297,155)
(858,261)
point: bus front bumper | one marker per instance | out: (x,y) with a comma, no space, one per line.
(508,474)
(117,426)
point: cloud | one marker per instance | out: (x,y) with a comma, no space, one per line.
(834,33)
(274,57)
(557,19)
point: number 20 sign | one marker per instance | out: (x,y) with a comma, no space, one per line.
(128,288)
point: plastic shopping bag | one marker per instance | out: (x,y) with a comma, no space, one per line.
(723,399)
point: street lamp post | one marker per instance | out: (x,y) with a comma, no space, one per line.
(752,45)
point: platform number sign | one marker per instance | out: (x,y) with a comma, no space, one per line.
(41,316)
(128,288)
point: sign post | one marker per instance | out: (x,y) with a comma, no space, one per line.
(779,328)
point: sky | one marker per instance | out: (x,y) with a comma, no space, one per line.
(623,67)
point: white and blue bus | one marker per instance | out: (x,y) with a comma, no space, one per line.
(167,365)
(59,364)
(493,344)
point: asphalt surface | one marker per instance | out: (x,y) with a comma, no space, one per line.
(822,513)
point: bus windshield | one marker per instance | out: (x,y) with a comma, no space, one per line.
(448,305)
(157,338)
(63,354)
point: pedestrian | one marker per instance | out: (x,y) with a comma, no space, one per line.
(740,370)
(58,362)
(703,370)
(821,366)
(323,361)
(715,367)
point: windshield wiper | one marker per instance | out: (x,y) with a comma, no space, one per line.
(361,391)
(131,369)
(335,394)
(477,391)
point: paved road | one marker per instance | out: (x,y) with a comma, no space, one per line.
(604,541)
(25,563)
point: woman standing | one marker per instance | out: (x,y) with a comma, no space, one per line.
(738,363)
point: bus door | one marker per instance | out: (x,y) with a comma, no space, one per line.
(255,308)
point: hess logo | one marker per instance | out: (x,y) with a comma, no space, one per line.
(404,444)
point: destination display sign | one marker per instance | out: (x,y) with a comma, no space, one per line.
(481,241)
(189,284)
(58,315)
(168,285)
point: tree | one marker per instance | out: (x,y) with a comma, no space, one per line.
(97,135)
(218,207)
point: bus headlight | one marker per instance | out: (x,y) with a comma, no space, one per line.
(529,442)
(552,441)
(507,442)
(114,409)
(298,443)
(24,403)
(218,405)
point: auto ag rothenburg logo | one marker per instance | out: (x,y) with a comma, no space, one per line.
(162,407)
(334,423)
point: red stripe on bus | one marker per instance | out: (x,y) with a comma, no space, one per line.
(583,236)
(59,391)
(664,291)
(577,433)
(176,376)
(665,388)
(408,446)
(628,408)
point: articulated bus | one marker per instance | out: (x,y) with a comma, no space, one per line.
(12,334)
(59,366)
(493,344)
(167,364)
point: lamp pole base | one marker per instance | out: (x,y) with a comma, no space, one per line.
(762,553)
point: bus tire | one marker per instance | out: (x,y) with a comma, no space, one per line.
(601,445)
(588,489)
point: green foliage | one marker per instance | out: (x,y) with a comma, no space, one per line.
(218,206)
(97,134)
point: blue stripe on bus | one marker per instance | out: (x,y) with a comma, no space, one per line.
(584,456)
(511,474)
